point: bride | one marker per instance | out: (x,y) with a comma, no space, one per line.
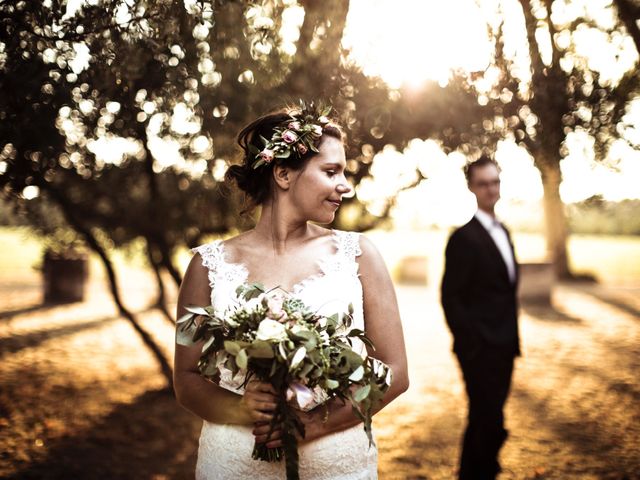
(294,169)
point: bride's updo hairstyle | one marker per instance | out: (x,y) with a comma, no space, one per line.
(291,132)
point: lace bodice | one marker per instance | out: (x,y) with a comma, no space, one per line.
(225,450)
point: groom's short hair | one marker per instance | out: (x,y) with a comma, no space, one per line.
(483,161)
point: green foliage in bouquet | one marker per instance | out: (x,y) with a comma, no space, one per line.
(276,338)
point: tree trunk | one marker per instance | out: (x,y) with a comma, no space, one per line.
(555,220)
(161,299)
(93,243)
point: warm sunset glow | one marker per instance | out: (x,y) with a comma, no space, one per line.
(411,41)
(406,42)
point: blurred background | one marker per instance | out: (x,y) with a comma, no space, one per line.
(118,121)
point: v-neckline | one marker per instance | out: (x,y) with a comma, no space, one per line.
(298,286)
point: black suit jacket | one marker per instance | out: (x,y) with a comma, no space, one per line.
(478,299)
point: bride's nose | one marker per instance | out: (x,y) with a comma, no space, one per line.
(344,188)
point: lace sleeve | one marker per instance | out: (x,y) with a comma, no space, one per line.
(349,244)
(210,254)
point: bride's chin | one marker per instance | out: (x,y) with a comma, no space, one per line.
(323,219)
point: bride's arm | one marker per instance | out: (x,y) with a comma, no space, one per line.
(198,395)
(383,327)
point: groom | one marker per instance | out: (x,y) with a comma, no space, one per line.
(479,302)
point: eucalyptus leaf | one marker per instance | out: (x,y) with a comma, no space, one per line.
(260,349)
(186,317)
(306,369)
(196,310)
(331,384)
(232,347)
(357,374)
(184,336)
(242,359)
(356,332)
(282,350)
(208,344)
(297,358)
(209,369)
(362,393)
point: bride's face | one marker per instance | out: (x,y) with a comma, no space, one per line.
(318,188)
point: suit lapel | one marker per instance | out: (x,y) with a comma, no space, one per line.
(491,246)
(513,255)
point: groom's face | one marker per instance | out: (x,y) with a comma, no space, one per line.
(485,185)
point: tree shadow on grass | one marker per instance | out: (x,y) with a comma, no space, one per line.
(548,313)
(17,342)
(587,437)
(611,299)
(7,314)
(152,437)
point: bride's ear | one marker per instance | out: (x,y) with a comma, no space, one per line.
(282,176)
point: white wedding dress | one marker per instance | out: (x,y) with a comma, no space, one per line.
(225,450)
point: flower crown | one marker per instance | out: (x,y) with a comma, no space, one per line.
(299,134)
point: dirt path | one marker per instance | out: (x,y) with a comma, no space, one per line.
(81,398)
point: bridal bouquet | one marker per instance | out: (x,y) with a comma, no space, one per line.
(276,338)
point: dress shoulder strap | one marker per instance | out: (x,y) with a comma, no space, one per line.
(211,254)
(348,244)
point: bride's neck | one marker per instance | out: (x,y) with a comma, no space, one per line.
(279,229)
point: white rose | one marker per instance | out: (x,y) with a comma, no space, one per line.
(271,330)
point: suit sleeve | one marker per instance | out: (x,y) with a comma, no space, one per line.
(459,264)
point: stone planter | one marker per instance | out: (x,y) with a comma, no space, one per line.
(536,283)
(64,277)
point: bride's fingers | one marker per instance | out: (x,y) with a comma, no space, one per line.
(264,407)
(261,402)
(261,428)
(261,397)
(264,387)
(264,434)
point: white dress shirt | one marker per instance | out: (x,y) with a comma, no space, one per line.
(499,236)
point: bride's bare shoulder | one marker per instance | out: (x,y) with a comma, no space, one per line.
(238,246)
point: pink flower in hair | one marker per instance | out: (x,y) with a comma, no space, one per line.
(316,131)
(323,120)
(289,137)
(266,155)
(302,148)
(294,126)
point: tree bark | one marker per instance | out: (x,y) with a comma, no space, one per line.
(555,220)
(161,299)
(549,103)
